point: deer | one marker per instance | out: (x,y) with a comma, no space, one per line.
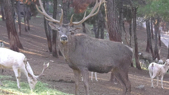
(23,11)
(83,53)
(18,62)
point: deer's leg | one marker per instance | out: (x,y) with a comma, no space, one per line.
(28,25)
(77,77)
(85,75)
(113,78)
(16,72)
(122,76)
(119,77)
(25,23)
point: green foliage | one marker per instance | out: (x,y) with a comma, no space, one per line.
(154,8)
(10,87)
(79,16)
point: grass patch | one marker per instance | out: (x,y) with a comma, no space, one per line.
(10,87)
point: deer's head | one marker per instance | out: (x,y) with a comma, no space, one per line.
(65,30)
(32,79)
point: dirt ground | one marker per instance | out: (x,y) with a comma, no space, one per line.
(61,77)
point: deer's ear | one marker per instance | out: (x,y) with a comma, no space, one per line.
(53,26)
(30,76)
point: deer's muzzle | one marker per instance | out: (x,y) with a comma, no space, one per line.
(63,39)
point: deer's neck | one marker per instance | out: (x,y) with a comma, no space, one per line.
(29,69)
(64,50)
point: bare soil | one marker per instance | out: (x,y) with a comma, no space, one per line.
(59,76)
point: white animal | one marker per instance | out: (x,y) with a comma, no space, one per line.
(18,63)
(95,74)
(156,70)
(159,61)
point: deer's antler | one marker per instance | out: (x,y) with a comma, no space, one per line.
(49,18)
(44,68)
(92,13)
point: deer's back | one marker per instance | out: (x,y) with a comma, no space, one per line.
(9,58)
(98,55)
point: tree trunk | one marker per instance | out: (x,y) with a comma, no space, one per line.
(151,24)
(148,31)
(84,27)
(65,7)
(96,28)
(10,24)
(149,42)
(156,25)
(159,38)
(130,30)
(134,10)
(112,22)
(168,51)
(54,32)
(18,7)
(101,23)
(2,11)
(47,28)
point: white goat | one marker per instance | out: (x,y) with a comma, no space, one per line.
(18,63)
(156,70)
(95,73)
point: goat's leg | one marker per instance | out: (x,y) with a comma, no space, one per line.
(77,77)
(85,75)
(162,82)
(95,76)
(151,79)
(157,80)
(17,76)
(92,76)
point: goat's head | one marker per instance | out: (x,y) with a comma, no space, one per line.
(167,62)
(65,30)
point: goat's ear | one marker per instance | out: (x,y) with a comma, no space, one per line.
(53,26)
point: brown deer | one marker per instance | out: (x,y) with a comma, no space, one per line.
(83,53)
(23,11)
